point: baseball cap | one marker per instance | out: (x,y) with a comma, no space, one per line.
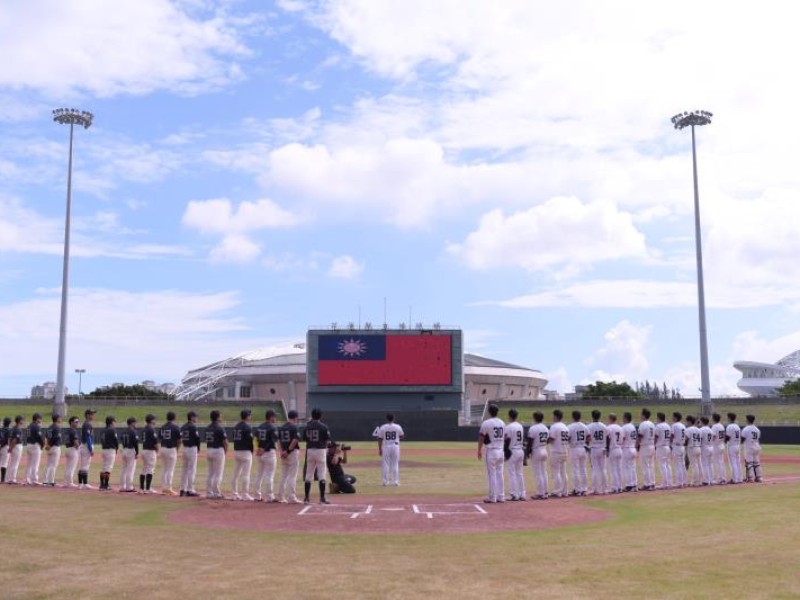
(131,420)
(191,414)
(292,414)
(149,417)
(89,411)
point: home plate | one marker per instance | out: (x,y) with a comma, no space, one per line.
(447,509)
(393,508)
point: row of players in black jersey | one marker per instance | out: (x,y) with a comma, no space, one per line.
(264,438)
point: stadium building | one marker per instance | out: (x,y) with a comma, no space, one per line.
(762,379)
(284,377)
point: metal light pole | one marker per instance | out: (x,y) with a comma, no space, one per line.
(691,119)
(80,373)
(71,117)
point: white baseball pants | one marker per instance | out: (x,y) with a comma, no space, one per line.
(390,473)
(4,456)
(695,468)
(215,457)
(577,458)
(735,460)
(494,474)
(752,461)
(109,458)
(149,458)
(615,467)
(539,468)
(629,474)
(718,463)
(85,457)
(663,455)
(53,456)
(705,463)
(599,480)
(679,465)
(189,468)
(646,456)
(242,465)
(558,468)
(72,454)
(266,474)
(515,473)
(169,458)
(290,465)
(13,463)
(315,461)
(34,460)
(128,468)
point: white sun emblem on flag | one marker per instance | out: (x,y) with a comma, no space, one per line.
(352,348)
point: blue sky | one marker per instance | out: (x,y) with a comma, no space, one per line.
(259,168)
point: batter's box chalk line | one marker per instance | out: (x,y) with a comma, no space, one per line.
(352,511)
(430,510)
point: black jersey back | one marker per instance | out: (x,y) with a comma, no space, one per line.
(149,438)
(243,436)
(286,433)
(215,436)
(110,439)
(316,435)
(170,434)
(190,436)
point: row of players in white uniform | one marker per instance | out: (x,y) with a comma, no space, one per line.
(612,450)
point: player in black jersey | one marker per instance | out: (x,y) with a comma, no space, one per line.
(35,439)
(16,441)
(190,443)
(110,444)
(290,459)
(149,454)
(86,450)
(316,436)
(52,438)
(5,430)
(130,452)
(267,438)
(170,437)
(242,457)
(72,450)
(216,448)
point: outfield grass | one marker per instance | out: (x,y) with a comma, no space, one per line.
(728,542)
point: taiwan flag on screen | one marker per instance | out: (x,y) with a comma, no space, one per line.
(350,359)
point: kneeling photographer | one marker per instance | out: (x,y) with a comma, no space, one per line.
(341,482)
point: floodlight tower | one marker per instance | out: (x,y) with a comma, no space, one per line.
(698,118)
(71,117)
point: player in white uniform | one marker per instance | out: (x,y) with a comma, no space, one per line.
(751,438)
(693,441)
(615,453)
(513,442)
(389,436)
(578,450)
(733,436)
(663,435)
(558,439)
(629,437)
(491,435)
(707,453)
(647,450)
(678,439)
(598,447)
(537,451)
(718,453)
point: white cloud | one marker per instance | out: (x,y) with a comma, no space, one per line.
(235,248)
(140,46)
(623,357)
(23,230)
(221,216)
(750,345)
(640,293)
(559,232)
(345,267)
(685,377)
(163,332)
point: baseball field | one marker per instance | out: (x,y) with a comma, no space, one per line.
(430,538)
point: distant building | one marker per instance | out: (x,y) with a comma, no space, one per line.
(762,379)
(46,391)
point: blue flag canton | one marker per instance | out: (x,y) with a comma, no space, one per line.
(352,347)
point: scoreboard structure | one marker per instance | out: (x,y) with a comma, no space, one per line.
(385,369)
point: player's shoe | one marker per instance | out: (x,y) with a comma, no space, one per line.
(248,498)
(192,494)
(306,501)
(295,501)
(324,501)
